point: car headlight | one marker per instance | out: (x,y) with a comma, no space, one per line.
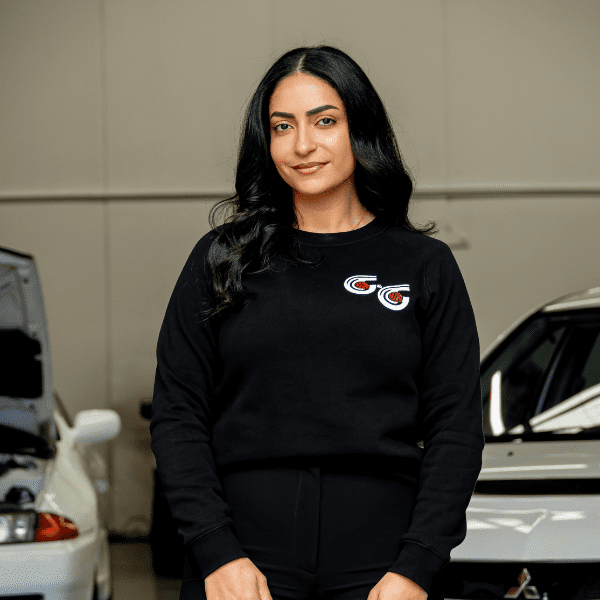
(29,526)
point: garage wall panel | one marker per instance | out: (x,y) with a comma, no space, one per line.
(178,77)
(50,97)
(523,91)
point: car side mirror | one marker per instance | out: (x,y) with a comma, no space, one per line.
(97,425)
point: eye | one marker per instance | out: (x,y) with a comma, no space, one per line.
(322,119)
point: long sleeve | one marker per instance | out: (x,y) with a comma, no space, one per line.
(450,421)
(186,374)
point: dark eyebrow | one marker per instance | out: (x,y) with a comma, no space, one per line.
(312,111)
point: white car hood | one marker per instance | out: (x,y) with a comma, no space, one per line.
(538,525)
(22,314)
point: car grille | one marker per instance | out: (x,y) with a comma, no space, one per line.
(549,580)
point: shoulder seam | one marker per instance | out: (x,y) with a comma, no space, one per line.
(421,251)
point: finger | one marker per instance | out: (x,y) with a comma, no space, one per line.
(263,589)
(373,594)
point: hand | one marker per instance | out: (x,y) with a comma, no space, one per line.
(393,586)
(237,580)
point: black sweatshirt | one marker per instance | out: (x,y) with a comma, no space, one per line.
(370,358)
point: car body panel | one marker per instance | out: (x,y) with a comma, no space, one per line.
(72,483)
(531,528)
(537,501)
(535,527)
(58,570)
(22,308)
(566,459)
(68,491)
(582,299)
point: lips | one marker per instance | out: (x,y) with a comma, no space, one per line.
(306,171)
(308,165)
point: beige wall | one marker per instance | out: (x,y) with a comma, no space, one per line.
(109,109)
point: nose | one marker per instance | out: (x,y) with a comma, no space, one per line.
(304,139)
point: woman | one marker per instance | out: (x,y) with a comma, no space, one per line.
(319,433)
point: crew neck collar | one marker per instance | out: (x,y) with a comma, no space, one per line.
(313,238)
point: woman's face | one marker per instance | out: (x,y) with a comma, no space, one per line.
(298,138)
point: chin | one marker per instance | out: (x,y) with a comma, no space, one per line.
(308,190)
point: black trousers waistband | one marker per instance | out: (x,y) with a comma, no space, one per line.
(380,466)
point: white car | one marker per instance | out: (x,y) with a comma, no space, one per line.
(533,523)
(53,485)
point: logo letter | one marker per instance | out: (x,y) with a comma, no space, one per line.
(359,284)
(392,296)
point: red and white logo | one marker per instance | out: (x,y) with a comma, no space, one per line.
(359,284)
(391,296)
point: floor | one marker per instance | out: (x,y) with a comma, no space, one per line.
(133,578)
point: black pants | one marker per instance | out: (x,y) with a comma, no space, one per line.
(316,531)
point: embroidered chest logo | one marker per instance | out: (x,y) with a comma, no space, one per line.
(391,296)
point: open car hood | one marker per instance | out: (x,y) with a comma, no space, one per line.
(26,388)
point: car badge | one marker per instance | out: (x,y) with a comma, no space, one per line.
(529,591)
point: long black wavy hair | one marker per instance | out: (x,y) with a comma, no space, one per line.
(263,219)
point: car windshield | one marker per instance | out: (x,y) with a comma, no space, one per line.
(544,379)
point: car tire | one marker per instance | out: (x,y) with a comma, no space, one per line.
(166,545)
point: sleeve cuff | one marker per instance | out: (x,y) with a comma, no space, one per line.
(419,564)
(213,550)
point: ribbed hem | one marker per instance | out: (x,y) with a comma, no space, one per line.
(419,564)
(213,550)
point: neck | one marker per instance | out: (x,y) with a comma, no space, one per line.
(332,212)
(334,223)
